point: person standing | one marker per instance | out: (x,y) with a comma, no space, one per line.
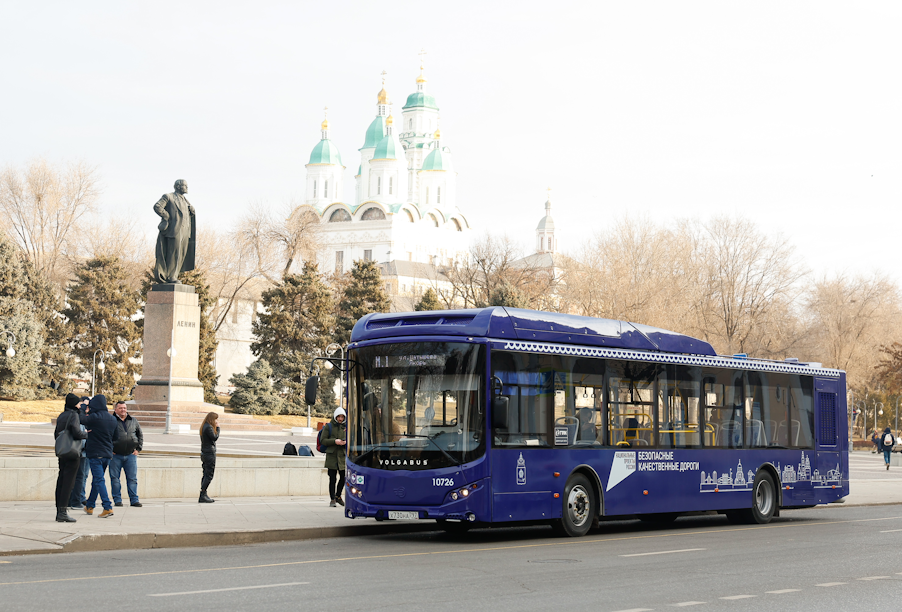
(125,456)
(102,434)
(209,433)
(875,440)
(887,441)
(335,441)
(77,497)
(69,421)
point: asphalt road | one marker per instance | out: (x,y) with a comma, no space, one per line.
(836,558)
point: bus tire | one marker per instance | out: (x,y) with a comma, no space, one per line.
(764,502)
(578,508)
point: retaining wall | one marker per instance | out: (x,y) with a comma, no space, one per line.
(34,478)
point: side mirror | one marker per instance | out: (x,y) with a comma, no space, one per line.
(310,389)
(500,411)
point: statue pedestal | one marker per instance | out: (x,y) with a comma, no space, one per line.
(172,315)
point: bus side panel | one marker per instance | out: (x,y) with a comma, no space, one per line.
(636,481)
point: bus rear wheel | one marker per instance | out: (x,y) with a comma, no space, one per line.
(579,508)
(764,502)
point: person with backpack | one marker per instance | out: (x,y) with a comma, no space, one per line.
(334,439)
(887,441)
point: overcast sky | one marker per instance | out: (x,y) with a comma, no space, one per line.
(787,113)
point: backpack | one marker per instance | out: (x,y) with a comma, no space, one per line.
(289,449)
(304,451)
(319,438)
(888,440)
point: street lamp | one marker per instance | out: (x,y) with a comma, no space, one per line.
(97,366)
(10,351)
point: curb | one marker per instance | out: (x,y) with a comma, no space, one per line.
(144,541)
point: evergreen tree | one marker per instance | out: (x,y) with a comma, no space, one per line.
(508,295)
(101,311)
(429,301)
(296,325)
(20,375)
(253,391)
(363,293)
(19,280)
(206,368)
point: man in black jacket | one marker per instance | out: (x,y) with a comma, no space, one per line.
(77,498)
(102,433)
(125,455)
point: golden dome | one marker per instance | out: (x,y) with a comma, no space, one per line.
(383,97)
(325,124)
(421,78)
(438,134)
(389,121)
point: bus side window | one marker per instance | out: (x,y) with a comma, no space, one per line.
(679,418)
(630,401)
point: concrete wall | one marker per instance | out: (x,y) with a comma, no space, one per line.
(34,478)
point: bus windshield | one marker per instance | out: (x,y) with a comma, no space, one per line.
(416,406)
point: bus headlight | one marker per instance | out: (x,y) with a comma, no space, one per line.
(464,492)
(454,496)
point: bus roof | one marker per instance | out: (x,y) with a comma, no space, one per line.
(519,324)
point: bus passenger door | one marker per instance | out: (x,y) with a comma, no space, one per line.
(830,435)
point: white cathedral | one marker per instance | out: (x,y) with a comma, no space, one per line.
(404,207)
(403,216)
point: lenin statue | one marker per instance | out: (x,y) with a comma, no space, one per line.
(175,242)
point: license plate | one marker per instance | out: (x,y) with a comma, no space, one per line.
(395,514)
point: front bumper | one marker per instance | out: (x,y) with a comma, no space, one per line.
(475,507)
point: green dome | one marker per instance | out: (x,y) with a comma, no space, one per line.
(375,132)
(420,99)
(325,153)
(385,149)
(435,161)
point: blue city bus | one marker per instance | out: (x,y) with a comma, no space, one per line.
(501,416)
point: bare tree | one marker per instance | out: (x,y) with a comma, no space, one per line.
(115,236)
(749,279)
(493,262)
(850,319)
(43,205)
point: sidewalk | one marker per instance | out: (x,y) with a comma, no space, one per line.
(29,527)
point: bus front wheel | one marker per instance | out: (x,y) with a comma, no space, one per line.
(764,502)
(579,507)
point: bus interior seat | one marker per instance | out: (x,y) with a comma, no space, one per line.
(731,435)
(754,433)
(572,425)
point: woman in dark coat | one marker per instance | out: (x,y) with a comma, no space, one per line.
(69,421)
(209,433)
(335,439)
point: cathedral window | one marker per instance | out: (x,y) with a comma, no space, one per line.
(373,214)
(339,261)
(542,243)
(339,216)
(368,255)
(391,183)
(427,195)
(410,125)
(438,195)
(314,190)
(326,189)
(378,185)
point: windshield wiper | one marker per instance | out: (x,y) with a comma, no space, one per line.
(435,444)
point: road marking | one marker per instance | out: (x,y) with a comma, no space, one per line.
(830,584)
(683,604)
(781,591)
(891,531)
(579,542)
(663,552)
(637,610)
(244,588)
(5,561)
(874,578)
(739,597)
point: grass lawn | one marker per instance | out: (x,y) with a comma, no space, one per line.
(41,411)
(38,411)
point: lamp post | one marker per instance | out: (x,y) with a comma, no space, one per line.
(97,366)
(10,351)
(171,354)
(897,414)
(877,412)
